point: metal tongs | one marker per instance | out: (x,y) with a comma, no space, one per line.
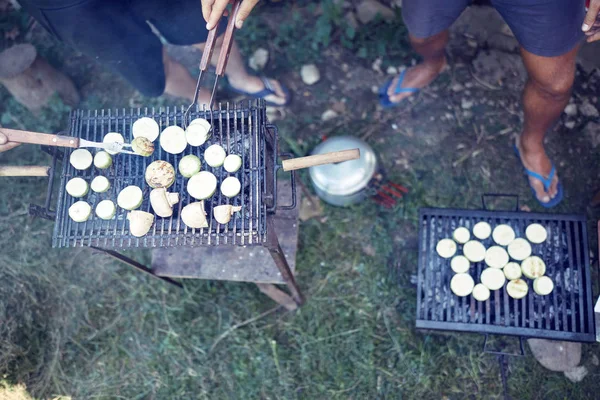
(207,56)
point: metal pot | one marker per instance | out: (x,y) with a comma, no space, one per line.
(344,183)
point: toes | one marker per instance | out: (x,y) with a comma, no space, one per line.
(540,193)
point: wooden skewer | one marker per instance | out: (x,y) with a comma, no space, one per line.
(320,159)
(24,170)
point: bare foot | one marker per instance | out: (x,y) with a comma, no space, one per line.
(418,76)
(535,159)
(253,84)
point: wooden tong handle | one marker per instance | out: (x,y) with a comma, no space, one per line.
(320,159)
(227,39)
(17,136)
(24,170)
(208,49)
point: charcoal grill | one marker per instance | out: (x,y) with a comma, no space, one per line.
(240,128)
(565,314)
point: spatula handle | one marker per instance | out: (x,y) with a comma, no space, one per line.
(320,159)
(18,136)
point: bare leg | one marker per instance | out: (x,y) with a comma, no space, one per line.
(239,77)
(546,94)
(179,82)
(421,75)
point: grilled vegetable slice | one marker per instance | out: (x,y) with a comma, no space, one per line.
(142,146)
(232,163)
(481,292)
(543,285)
(189,165)
(113,137)
(100,184)
(460,264)
(446,248)
(102,160)
(162,202)
(80,211)
(223,213)
(172,140)
(517,288)
(493,278)
(202,185)
(536,233)
(160,174)
(462,284)
(231,186)
(140,222)
(197,132)
(81,159)
(145,127)
(496,257)
(106,209)
(461,235)
(519,249)
(77,187)
(533,267)
(214,155)
(482,230)
(474,251)
(503,234)
(130,198)
(194,216)
(512,271)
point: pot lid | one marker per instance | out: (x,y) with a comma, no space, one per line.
(347,177)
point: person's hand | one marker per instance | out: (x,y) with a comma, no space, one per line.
(591,23)
(5,144)
(213,10)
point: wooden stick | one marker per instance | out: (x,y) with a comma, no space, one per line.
(24,170)
(320,159)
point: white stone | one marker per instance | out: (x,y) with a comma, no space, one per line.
(259,59)
(310,74)
(328,115)
(457,87)
(570,124)
(391,70)
(367,10)
(571,110)
(576,374)
(588,110)
(466,104)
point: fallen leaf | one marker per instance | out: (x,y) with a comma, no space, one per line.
(12,34)
(311,207)
(525,208)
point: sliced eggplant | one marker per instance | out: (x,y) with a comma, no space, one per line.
(493,278)
(172,140)
(189,165)
(231,186)
(202,185)
(462,284)
(80,211)
(496,257)
(232,163)
(460,264)
(536,233)
(130,198)
(461,235)
(102,160)
(517,288)
(160,174)
(106,209)
(482,230)
(519,249)
(81,159)
(543,285)
(145,127)
(474,251)
(446,248)
(214,155)
(512,271)
(503,235)
(533,267)
(77,187)
(197,132)
(113,137)
(481,292)
(100,184)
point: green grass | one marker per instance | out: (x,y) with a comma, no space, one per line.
(76,323)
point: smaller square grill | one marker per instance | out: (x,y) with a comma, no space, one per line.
(565,314)
(239,129)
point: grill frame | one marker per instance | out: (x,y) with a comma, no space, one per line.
(237,127)
(458,316)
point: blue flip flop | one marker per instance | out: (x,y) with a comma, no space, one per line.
(545,181)
(268,90)
(384,98)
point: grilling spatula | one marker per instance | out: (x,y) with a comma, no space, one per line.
(17,136)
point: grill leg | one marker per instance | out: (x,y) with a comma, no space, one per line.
(140,267)
(503,366)
(274,248)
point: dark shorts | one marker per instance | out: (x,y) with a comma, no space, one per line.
(116,32)
(545,28)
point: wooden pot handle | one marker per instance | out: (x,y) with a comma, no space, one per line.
(18,136)
(24,170)
(320,159)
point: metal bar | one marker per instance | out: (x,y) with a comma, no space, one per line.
(421,263)
(572,327)
(556,256)
(428,261)
(590,325)
(579,252)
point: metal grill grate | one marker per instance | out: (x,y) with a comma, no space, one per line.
(240,130)
(565,314)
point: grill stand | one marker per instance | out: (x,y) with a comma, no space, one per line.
(503,362)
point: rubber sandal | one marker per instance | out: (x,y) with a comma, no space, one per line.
(267,91)
(384,98)
(545,181)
